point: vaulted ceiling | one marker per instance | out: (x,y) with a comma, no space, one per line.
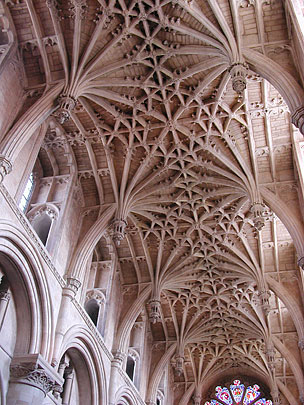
(166,118)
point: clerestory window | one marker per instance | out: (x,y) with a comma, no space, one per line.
(28,191)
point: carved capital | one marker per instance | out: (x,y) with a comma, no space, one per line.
(264,297)
(197,399)
(179,365)
(33,370)
(35,377)
(301,344)
(118,230)
(297,118)
(301,262)
(5,167)
(72,285)
(119,357)
(154,310)
(5,296)
(260,215)
(238,73)
(66,106)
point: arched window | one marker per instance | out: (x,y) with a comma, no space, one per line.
(92,309)
(238,394)
(42,226)
(27,193)
(42,218)
(130,367)
(95,307)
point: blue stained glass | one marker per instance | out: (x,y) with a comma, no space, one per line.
(252,393)
(224,395)
(237,390)
(214,402)
(263,401)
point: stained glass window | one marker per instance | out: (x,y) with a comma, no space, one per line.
(238,394)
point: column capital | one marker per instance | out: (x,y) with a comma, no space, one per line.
(5,167)
(119,357)
(238,72)
(301,262)
(301,344)
(5,296)
(66,105)
(154,306)
(72,287)
(297,118)
(197,399)
(33,370)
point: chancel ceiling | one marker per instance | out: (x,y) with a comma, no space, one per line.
(164,116)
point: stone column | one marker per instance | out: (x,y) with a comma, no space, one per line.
(68,386)
(116,364)
(68,294)
(4,300)
(31,379)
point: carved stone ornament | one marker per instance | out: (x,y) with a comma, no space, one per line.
(264,297)
(32,376)
(238,73)
(260,215)
(66,105)
(5,295)
(301,344)
(179,365)
(297,118)
(154,310)
(118,227)
(73,284)
(118,357)
(270,356)
(5,167)
(197,400)
(301,262)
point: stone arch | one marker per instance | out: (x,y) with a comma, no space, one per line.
(287,216)
(125,327)
(30,291)
(124,396)
(42,218)
(293,363)
(158,371)
(290,303)
(283,81)
(88,243)
(85,353)
(13,142)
